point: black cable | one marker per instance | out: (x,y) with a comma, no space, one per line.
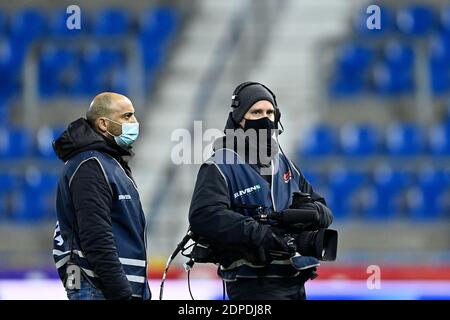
(223,289)
(189,285)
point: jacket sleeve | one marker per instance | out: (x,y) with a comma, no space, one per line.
(210,213)
(92,200)
(326,216)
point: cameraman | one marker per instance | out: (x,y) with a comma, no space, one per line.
(248,171)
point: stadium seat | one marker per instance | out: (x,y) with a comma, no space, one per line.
(95,63)
(343,86)
(445,19)
(415,20)
(53,62)
(3,20)
(116,80)
(353,58)
(37,196)
(423,199)
(45,136)
(318,141)
(10,64)
(27,25)
(111,22)
(312,176)
(152,55)
(398,56)
(389,186)
(157,25)
(343,183)
(14,143)
(9,184)
(439,139)
(404,139)
(439,56)
(359,140)
(389,81)
(352,62)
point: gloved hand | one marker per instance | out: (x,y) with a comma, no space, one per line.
(307,209)
(276,247)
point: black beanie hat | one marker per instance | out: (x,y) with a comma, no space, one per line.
(246,95)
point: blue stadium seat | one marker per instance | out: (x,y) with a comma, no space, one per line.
(389,185)
(352,62)
(312,176)
(343,183)
(439,55)
(152,55)
(15,143)
(158,25)
(9,184)
(404,139)
(112,22)
(399,56)
(4,109)
(386,22)
(45,137)
(318,141)
(27,25)
(37,196)
(53,63)
(116,80)
(3,20)
(95,63)
(445,19)
(359,140)
(423,200)
(353,58)
(415,20)
(9,68)
(389,81)
(343,86)
(439,142)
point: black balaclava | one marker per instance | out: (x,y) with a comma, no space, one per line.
(243,100)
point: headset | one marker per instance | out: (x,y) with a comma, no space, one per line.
(235,100)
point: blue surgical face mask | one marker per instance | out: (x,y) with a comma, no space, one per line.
(130,132)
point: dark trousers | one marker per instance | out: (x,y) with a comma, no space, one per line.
(266,289)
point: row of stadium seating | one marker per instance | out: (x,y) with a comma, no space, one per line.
(386,67)
(413,20)
(28,197)
(351,140)
(365,140)
(383,192)
(76,68)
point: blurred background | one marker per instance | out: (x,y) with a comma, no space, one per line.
(366,116)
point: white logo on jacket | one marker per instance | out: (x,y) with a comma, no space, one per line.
(124,197)
(246,191)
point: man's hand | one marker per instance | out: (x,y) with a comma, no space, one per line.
(276,248)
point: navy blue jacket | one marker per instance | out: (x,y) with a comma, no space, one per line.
(100,218)
(215,213)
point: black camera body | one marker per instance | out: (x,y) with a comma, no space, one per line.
(299,224)
(311,240)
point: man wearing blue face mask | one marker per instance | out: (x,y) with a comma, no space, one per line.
(99,245)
